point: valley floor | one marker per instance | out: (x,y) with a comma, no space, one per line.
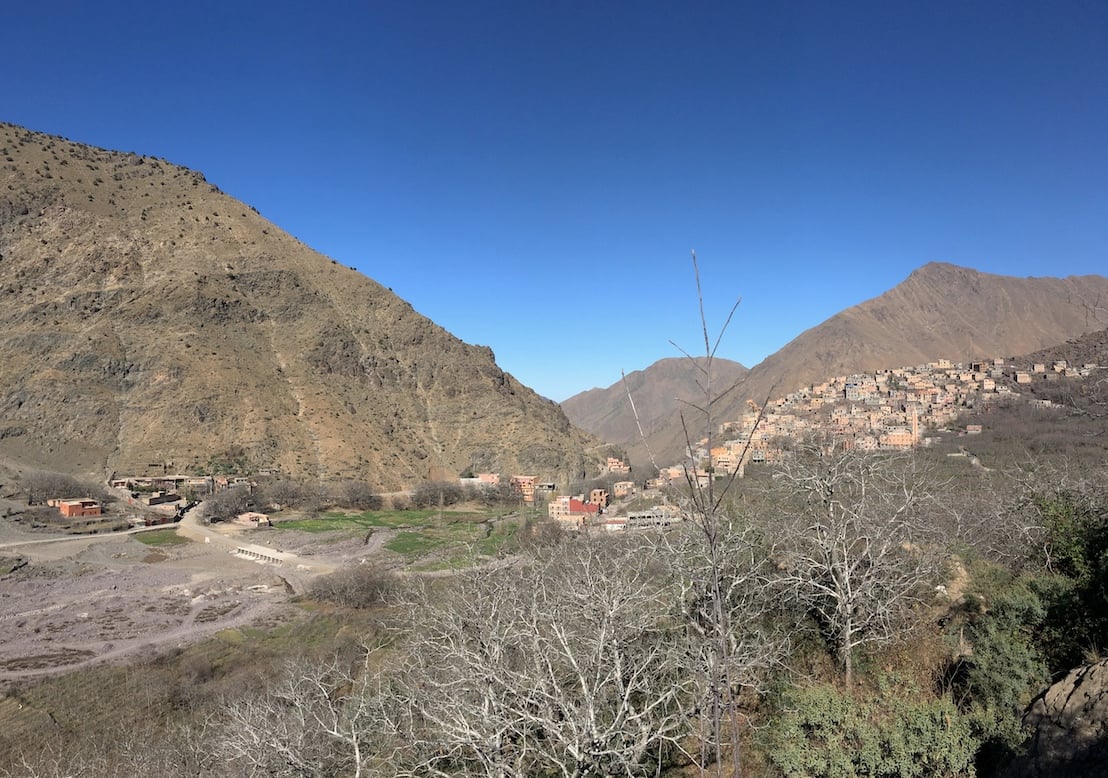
(79,601)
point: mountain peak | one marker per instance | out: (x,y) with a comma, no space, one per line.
(943,272)
(150,318)
(940,311)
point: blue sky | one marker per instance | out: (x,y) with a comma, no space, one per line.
(532,176)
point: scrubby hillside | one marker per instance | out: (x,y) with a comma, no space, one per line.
(939,311)
(148,317)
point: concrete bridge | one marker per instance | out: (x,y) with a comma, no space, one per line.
(260,554)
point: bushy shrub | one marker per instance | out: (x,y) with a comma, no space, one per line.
(1073,587)
(359,586)
(357,495)
(821,732)
(1021,628)
(433,494)
(1076,533)
(1003,671)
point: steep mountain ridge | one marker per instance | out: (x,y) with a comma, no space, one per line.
(940,310)
(150,318)
(660,392)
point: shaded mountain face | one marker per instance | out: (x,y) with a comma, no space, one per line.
(149,318)
(661,394)
(1090,348)
(939,311)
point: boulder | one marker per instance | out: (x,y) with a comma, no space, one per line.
(1069,722)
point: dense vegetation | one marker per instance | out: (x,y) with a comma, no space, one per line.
(848,615)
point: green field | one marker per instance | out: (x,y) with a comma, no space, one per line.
(161,537)
(335,521)
(431,538)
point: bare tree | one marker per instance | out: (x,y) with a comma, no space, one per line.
(152,750)
(432,494)
(730,607)
(859,548)
(573,664)
(566,666)
(319,719)
(227,503)
(290,493)
(42,485)
(49,760)
(364,585)
(357,495)
(722,651)
(994,514)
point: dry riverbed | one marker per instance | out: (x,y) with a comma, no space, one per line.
(71,604)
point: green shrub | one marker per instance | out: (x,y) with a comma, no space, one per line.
(1076,550)
(821,732)
(1011,632)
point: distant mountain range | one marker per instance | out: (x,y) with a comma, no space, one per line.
(940,310)
(150,319)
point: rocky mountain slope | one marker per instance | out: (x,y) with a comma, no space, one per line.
(940,310)
(1089,348)
(150,318)
(660,392)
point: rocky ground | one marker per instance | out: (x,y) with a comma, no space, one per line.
(64,605)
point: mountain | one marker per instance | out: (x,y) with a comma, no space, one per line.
(940,310)
(150,318)
(1090,348)
(659,393)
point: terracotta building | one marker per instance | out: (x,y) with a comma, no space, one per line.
(75,508)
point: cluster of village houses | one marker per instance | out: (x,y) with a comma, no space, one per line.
(156,500)
(884,410)
(585,511)
(894,409)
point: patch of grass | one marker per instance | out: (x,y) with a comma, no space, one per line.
(168,686)
(413,544)
(461,546)
(494,543)
(455,539)
(8,564)
(463,534)
(313,631)
(391,520)
(161,537)
(339,521)
(236,636)
(453,562)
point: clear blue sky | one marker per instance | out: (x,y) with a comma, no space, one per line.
(532,176)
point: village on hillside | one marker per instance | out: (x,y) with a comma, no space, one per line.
(894,409)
